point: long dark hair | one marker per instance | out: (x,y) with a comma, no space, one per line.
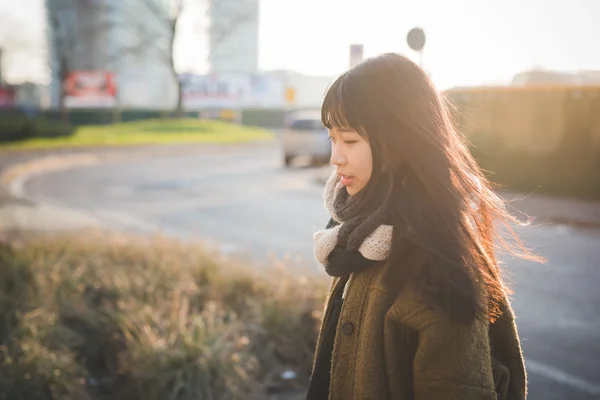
(439,197)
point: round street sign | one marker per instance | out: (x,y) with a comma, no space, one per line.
(416,39)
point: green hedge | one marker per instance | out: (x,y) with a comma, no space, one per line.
(265,118)
(15,126)
(528,140)
(571,173)
(78,117)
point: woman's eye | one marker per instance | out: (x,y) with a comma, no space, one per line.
(350,141)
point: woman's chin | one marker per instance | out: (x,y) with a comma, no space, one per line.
(352,190)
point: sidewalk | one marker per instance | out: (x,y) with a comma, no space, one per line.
(545,209)
(42,218)
(557,210)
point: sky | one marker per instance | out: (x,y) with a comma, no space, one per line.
(469,42)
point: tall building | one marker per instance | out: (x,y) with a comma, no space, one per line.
(233,35)
(120,37)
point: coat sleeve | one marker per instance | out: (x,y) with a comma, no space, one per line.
(452,361)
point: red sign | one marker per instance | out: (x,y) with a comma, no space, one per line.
(7,97)
(90,89)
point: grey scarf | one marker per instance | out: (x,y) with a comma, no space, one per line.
(360,231)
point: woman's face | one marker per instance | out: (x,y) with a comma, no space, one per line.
(351,155)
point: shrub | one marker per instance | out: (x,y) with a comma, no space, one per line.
(16,125)
(93,317)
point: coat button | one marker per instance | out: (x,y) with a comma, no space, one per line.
(347,328)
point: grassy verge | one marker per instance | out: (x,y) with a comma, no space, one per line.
(155,131)
(91,317)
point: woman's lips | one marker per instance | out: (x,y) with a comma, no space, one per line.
(346,179)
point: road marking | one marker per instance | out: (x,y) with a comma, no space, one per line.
(17,186)
(562,377)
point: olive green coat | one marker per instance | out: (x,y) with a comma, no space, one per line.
(389,345)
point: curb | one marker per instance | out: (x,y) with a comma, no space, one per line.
(13,177)
(48,161)
(17,211)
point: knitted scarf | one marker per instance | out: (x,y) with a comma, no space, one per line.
(359,232)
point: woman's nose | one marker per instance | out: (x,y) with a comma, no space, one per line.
(337,158)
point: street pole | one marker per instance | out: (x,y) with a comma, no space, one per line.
(416,41)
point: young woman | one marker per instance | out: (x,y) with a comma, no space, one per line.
(417,308)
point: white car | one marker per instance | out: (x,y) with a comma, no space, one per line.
(305,136)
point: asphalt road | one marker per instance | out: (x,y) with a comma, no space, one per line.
(246,201)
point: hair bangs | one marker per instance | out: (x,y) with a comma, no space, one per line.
(334,112)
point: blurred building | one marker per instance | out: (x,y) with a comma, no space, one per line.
(23,95)
(306,91)
(233,35)
(125,42)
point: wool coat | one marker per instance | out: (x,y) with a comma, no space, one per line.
(390,345)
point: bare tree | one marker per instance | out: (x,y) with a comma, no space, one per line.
(172,22)
(62,20)
(139,30)
(226,17)
(71,25)
(157,34)
(146,31)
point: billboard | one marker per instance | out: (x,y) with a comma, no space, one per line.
(90,89)
(231,90)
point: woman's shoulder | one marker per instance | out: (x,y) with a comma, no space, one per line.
(410,304)
(410,309)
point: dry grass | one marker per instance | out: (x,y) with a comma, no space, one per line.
(97,317)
